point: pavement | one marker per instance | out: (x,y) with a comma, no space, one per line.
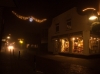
(75,65)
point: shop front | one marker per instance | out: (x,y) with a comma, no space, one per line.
(64,45)
(94,45)
(76,44)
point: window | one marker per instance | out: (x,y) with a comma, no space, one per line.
(94,44)
(68,25)
(57,27)
(64,45)
(77,44)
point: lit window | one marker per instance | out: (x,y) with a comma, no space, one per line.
(94,44)
(68,25)
(77,44)
(64,45)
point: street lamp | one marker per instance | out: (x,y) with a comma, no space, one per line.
(8,37)
(7,41)
(93,17)
(93,29)
(21,42)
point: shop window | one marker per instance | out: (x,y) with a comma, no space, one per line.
(64,45)
(77,45)
(94,44)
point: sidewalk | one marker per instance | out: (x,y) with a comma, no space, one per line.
(74,63)
(93,56)
(91,62)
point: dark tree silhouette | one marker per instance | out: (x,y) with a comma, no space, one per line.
(96,28)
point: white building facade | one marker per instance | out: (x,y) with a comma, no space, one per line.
(70,33)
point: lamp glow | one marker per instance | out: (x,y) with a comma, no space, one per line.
(73,39)
(92,17)
(21,41)
(10,48)
(8,37)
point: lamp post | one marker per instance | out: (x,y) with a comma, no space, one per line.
(92,40)
(7,40)
(94,18)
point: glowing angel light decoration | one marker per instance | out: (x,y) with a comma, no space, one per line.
(30,18)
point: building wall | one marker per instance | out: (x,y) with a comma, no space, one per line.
(4,4)
(0,17)
(78,23)
(1,22)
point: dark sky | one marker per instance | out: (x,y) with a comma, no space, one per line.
(39,9)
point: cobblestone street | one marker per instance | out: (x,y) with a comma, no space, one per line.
(57,67)
(47,64)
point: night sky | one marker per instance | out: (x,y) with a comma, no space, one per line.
(39,9)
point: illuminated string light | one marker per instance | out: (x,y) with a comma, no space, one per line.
(88,9)
(29,18)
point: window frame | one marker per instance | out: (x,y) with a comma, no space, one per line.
(69,24)
(57,27)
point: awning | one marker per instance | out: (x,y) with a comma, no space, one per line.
(66,35)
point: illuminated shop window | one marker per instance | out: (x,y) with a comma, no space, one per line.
(64,45)
(77,45)
(94,44)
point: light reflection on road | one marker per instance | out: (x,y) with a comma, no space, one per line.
(77,69)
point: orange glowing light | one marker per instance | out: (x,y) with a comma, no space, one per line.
(88,9)
(73,39)
(10,48)
(28,18)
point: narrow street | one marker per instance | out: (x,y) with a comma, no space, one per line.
(46,64)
